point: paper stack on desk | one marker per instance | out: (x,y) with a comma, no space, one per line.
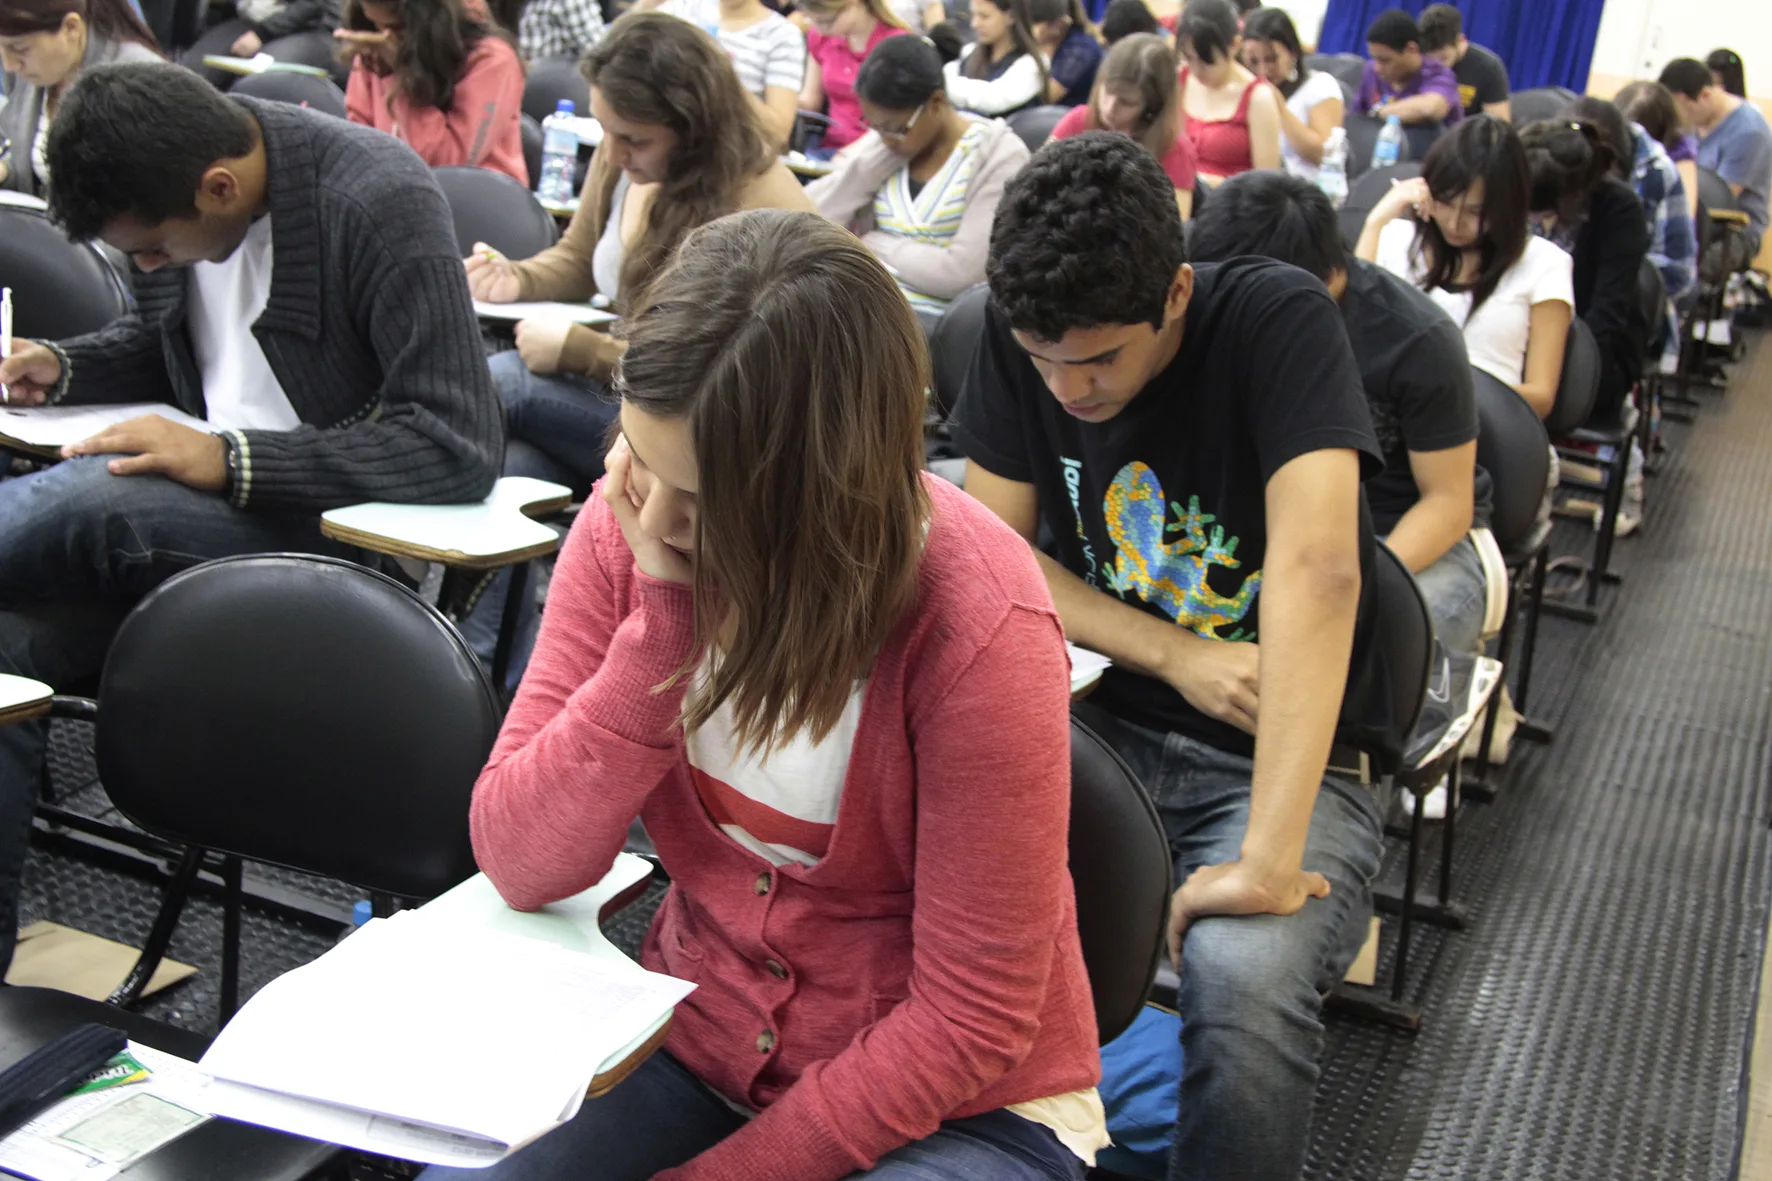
(46,429)
(421,1040)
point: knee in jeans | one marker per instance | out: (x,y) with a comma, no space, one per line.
(1250,964)
(510,376)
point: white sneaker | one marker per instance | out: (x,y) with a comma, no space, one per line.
(1506,721)
(1433,806)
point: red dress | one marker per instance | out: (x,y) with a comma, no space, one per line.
(1221,146)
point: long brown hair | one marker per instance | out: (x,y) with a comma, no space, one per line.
(659,69)
(977,63)
(113,20)
(1142,64)
(801,371)
(436,39)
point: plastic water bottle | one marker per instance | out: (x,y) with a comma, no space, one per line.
(1389,148)
(559,155)
(1332,174)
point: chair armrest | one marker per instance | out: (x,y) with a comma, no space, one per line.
(1734,217)
(22,698)
(498,531)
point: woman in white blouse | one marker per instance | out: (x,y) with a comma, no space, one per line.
(1003,70)
(1460,232)
(1314,100)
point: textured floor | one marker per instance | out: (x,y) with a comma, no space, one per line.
(1594,1021)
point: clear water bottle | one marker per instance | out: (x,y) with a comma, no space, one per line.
(1332,174)
(559,155)
(1389,148)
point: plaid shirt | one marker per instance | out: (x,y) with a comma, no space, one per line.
(559,28)
(1673,243)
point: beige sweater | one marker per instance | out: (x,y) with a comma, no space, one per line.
(563,270)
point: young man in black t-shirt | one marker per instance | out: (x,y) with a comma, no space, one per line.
(1482,77)
(1417,377)
(1195,442)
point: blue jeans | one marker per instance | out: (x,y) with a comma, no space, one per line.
(1251,986)
(661,1115)
(555,428)
(78,548)
(1457,594)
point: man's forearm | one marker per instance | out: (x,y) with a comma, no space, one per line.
(1420,108)
(1430,528)
(1098,621)
(1307,631)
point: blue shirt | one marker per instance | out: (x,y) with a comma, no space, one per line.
(1673,243)
(1074,63)
(1739,149)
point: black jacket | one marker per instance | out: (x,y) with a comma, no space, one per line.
(1609,253)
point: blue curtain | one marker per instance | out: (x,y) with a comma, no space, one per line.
(1543,42)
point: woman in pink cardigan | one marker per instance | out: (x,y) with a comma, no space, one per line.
(436,74)
(836,691)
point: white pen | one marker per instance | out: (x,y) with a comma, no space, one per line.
(5,336)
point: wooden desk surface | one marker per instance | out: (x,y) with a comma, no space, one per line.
(499,531)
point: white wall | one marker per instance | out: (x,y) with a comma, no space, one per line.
(1307,15)
(1638,37)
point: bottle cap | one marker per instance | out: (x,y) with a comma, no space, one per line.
(565,107)
(361,912)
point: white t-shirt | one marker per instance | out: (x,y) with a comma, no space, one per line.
(226,299)
(771,52)
(1496,336)
(1319,87)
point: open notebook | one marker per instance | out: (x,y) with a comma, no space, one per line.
(47,429)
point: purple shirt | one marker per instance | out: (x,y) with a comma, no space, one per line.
(1434,78)
(1685,148)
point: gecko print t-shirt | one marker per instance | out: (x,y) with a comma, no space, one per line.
(1163,506)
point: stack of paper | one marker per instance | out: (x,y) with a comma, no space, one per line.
(1086,666)
(426,1041)
(47,429)
(577,313)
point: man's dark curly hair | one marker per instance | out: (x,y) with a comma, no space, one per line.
(1087,234)
(136,139)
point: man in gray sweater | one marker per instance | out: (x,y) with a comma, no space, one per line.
(300,289)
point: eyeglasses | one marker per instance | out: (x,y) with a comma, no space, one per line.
(897,134)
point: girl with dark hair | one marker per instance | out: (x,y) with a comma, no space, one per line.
(1230,114)
(843,35)
(1123,18)
(768,638)
(439,77)
(1461,233)
(1062,29)
(1314,103)
(44,44)
(921,188)
(1726,66)
(1135,94)
(1580,203)
(1650,105)
(1003,70)
(683,145)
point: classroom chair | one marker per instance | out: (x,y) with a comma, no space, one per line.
(531,132)
(317,48)
(298,90)
(1514,449)
(1345,68)
(59,288)
(1365,192)
(550,80)
(1540,102)
(496,209)
(1034,124)
(1572,426)
(953,344)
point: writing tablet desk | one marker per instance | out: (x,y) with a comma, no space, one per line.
(497,532)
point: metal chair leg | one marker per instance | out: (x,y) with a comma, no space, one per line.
(507,627)
(230,966)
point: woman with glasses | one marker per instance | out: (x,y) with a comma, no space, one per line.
(843,33)
(921,187)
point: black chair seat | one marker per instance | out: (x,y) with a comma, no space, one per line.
(221,1148)
(1523,551)
(298,90)
(1612,428)
(1034,124)
(496,209)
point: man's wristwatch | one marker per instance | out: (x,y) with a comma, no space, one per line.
(231,462)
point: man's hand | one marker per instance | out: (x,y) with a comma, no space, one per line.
(541,342)
(29,374)
(1220,678)
(1237,888)
(247,44)
(150,443)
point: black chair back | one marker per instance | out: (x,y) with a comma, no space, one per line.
(550,80)
(954,343)
(493,208)
(299,90)
(59,288)
(1362,137)
(1579,385)
(1541,102)
(318,48)
(1364,193)
(1714,192)
(1514,449)
(1034,124)
(1345,68)
(1120,869)
(301,711)
(1383,698)
(530,130)
(1651,309)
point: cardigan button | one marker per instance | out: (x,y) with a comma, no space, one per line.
(765,1042)
(762,886)
(775,969)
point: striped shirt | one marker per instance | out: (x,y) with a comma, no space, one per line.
(771,52)
(932,214)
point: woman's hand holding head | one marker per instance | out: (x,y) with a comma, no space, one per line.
(658,525)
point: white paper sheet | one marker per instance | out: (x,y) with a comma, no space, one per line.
(577,313)
(57,426)
(1086,666)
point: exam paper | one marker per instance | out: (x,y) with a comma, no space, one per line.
(1086,666)
(52,427)
(95,1136)
(577,313)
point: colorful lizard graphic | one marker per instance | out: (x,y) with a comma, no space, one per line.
(1168,575)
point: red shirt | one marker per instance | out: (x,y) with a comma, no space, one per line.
(838,65)
(1222,147)
(1178,161)
(927,967)
(482,127)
